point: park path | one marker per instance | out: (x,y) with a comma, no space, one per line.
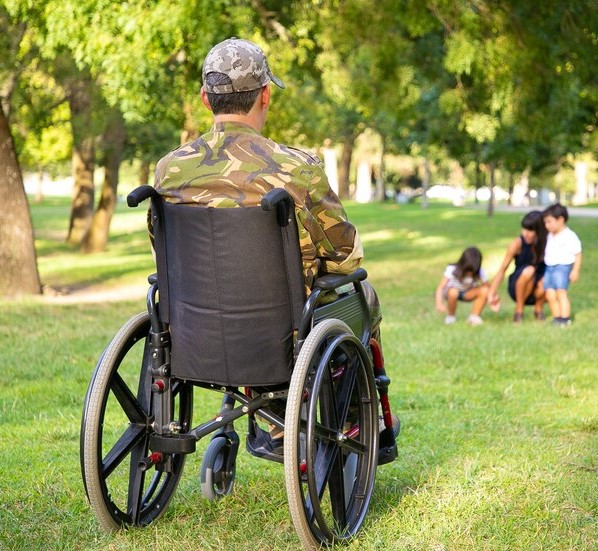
(573,211)
(98,294)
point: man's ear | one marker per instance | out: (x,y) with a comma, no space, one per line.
(204,99)
(265,95)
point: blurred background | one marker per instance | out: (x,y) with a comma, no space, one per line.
(403,100)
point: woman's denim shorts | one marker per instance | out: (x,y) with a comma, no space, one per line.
(557,277)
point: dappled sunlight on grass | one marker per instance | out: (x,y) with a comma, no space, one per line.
(456,213)
(83,270)
(432,241)
(132,220)
(127,258)
(380,235)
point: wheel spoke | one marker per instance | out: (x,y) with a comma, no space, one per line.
(324,434)
(136,482)
(344,389)
(336,488)
(130,405)
(129,439)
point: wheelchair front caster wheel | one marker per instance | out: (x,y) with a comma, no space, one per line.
(218,467)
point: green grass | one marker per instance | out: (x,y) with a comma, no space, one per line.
(499,447)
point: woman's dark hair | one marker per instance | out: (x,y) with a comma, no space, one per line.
(239,103)
(534,221)
(470,261)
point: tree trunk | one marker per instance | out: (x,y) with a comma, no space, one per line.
(478,181)
(144,172)
(83,160)
(345,167)
(19,274)
(96,238)
(511,188)
(189,132)
(380,188)
(426,183)
(491,198)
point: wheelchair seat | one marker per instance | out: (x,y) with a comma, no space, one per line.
(231,290)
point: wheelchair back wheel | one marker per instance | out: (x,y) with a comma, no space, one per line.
(331,436)
(115,432)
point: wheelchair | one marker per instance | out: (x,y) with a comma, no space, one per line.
(227,311)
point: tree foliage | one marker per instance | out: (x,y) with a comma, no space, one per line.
(503,84)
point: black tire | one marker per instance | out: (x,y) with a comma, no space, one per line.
(115,432)
(331,436)
(217,470)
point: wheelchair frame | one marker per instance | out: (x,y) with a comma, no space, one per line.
(332,443)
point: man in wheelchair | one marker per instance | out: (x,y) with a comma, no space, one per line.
(266,304)
(233,165)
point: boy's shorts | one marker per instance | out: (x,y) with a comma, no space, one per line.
(557,277)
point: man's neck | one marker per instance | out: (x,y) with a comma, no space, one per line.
(244,119)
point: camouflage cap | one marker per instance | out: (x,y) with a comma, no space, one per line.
(243,62)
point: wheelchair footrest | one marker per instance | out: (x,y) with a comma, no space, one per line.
(388,451)
(261,444)
(387,454)
(176,443)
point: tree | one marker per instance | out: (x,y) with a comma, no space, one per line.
(113,140)
(79,90)
(521,85)
(19,274)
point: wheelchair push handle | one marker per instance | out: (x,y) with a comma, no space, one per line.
(140,194)
(279,199)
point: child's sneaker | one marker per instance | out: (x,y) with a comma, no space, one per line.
(561,322)
(474,320)
(449,320)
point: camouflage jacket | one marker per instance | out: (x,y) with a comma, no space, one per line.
(234,166)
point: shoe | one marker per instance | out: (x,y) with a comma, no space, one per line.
(474,320)
(540,315)
(449,320)
(396,424)
(259,443)
(561,322)
(517,317)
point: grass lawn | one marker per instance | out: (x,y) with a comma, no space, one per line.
(499,446)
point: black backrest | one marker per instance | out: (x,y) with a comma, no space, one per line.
(232,289)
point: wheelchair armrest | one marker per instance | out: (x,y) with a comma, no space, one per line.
(329,282)
(140,194)
(279,199)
